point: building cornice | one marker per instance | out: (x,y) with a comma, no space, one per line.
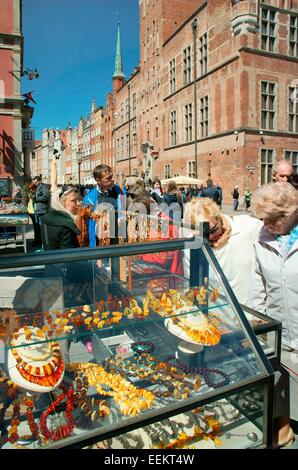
(126,159)
(124,124)
(189,19)
(246,130)
(272,55)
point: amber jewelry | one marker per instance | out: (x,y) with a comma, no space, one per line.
(207,334)
(62,431)
(150,368)
(92,408)
(46,375)
(130,399)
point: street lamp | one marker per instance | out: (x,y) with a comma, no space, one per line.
(79,161)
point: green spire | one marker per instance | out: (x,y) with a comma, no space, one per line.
(118,62)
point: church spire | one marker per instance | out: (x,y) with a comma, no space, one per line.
(118,73)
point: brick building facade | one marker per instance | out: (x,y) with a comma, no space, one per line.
(11,102)
(214,95)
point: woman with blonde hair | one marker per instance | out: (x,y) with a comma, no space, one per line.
(231,239)
(276,265)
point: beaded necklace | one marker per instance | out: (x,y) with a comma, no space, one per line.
(62,431)
(130,399)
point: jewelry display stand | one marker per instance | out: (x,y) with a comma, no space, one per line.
(34,350)
(188,351)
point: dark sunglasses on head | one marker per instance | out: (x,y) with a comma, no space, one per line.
(215,228)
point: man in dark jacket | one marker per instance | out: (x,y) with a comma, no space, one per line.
(42,199)
(211,192)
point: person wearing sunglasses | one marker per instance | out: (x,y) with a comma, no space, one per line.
(231,239)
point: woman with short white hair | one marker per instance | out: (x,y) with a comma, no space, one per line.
(231,239)
(276,264)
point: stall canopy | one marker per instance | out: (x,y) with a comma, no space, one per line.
(183,180)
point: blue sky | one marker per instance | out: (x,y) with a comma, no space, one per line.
(72,44)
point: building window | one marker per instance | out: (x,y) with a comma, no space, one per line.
(188,122)
(267,161)
(134,125)
(156,132)
(122,147)
(121,113)
(293,157)
(173,128)
(268,29)
(268,105)
(203,54)
(118,149)
(187,65)
(294,36)
(191,169)
(127,145)
(134,145)
(204,121)
(126,110)
(167,171)
(134,105)
(172,76)
(293,109)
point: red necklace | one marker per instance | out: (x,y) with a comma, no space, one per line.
(65,430)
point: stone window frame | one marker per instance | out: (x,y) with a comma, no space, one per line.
(266,166)
(134,144)
(293,110)
(118,149)
(269,39)
(172,72)
(203,49)
(127,145)
(292,156)
(167,171)
(204,115)
(173,127)
(191,168)
(126,109)
(293,36)
(187,65)
(188,121)
(268,113)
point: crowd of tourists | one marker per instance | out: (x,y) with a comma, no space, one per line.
(258,252)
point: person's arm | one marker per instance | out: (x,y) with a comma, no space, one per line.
(66,239)
(258,293)
(43,195)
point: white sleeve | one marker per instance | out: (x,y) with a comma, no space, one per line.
(258,293)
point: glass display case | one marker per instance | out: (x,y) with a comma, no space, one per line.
(116,347)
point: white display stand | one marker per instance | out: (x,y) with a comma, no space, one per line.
(34,348)
(195,320)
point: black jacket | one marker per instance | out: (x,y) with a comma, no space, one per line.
(42,199)
(170,199)
(58,230)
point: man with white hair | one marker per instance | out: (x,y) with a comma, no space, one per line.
(282,171)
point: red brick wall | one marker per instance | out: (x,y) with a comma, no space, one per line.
(7,16)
